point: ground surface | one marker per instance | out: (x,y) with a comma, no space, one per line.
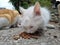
(50,37)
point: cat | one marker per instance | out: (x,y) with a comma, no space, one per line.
(34,17)
(8,17)
(6,4)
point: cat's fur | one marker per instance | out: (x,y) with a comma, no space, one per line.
(6,4)
(8,17)
(34,17)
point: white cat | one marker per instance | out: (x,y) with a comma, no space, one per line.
(6,4)
(34,17)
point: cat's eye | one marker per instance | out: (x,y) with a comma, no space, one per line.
(31,26)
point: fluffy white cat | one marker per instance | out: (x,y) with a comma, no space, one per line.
(6,4)
(34,17)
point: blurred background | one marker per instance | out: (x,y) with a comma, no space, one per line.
(27,3)
(49,4)
(52,5)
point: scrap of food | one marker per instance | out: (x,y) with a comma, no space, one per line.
(25,35)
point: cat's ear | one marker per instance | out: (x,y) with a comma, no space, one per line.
(22,10)
(37,8)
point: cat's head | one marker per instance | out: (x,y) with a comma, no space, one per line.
(31,16)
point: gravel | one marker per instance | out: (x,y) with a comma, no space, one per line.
(50,37)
